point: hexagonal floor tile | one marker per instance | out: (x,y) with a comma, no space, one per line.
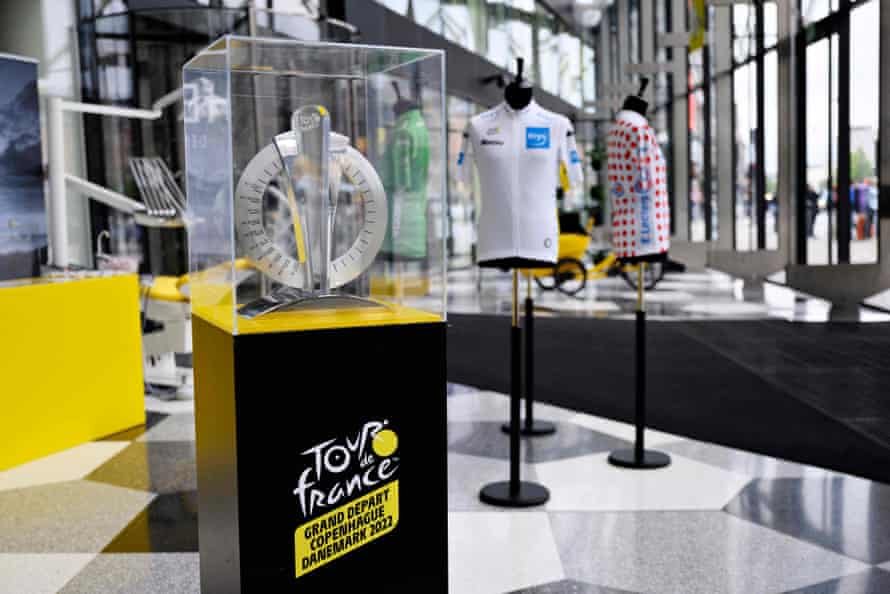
(156,466)
(689,553)
(590,483)
(71,517)
(486,439)
(138,574)
(842,513)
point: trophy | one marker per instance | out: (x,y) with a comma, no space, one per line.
(304,169)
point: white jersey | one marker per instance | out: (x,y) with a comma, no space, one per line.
(517,154)
(641,222)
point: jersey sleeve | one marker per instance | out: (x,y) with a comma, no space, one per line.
(569,157)
(464,165)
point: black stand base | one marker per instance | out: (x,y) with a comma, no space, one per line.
(650,459)
(537,429)
(528,494)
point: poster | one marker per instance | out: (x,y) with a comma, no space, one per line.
(23,238)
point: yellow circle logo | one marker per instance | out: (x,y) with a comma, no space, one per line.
(386,442)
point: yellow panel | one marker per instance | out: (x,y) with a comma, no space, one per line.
(314,319)
(71,363)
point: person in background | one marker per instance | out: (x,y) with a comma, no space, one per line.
(812,199)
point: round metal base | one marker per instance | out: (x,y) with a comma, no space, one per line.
(651,459)
(529,494)
(537,429)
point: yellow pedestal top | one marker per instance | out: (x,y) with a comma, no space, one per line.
(223,317)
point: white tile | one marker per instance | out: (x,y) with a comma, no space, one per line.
(621,430)
(590,483)
(67,465)
(29,573)
(659,296)
(494,406)
(169,407)
(493,553)
(729,308)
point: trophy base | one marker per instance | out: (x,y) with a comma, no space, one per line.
(292,299)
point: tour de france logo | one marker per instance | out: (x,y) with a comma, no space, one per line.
(347,494)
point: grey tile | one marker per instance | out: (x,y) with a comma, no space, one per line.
(468,474)
(746,463)
(72,517)
(569,587)
(486,439)
(156,466)
(170,573)
(169,524)
(873,581)
(152,418)
(178,427)
(689,553)
(455,389)
(841,513)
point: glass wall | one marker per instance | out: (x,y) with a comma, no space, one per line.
(864,125)
(557,55)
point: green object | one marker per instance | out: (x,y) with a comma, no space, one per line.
(406,163)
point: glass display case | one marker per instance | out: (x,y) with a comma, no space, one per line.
(316,183)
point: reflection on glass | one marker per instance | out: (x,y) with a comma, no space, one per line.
(697,211)
(821,151)
(745,95)
(864,121)
(771,150)
(510,34)
(814,10)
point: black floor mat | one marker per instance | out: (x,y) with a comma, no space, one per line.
(803,392)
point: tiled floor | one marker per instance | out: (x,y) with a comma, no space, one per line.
(121,516)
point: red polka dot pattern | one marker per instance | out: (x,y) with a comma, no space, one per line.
(637,177)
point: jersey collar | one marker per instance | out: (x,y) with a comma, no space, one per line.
(513,112)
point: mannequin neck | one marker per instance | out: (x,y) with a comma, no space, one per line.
(636,105)
(518,95)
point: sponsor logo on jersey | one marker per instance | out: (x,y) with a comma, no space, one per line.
(492,131)
(645,223)
(460,158)
(493,141)
(574,158)
(537,138)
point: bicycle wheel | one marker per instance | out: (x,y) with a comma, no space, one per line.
(654,272)
(570,275)
(546,283)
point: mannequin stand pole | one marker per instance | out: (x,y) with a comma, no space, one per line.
(531,427)
(514,492)
(639,457)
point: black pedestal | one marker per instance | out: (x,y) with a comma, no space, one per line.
(514,492)
(537,428)
(639,457)
(322,460)
(527,495)
(630,459)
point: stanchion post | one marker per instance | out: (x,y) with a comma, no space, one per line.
(515,492)
(530,426)
(639,457)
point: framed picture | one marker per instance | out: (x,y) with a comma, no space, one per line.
(23,239)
